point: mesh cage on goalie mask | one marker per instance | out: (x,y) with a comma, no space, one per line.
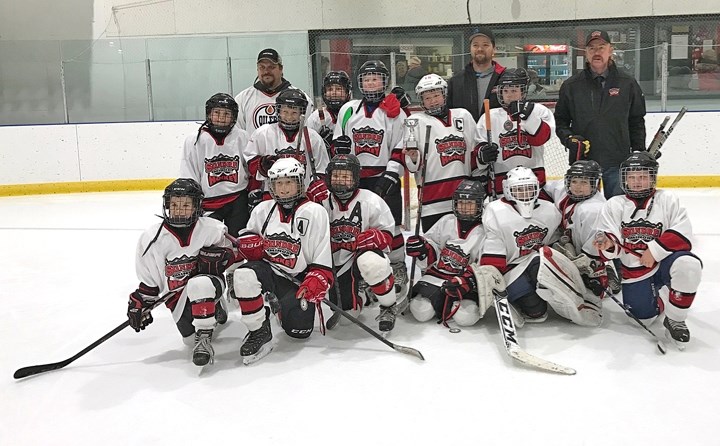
(469,190)
(294,98)
(586,170)
(182,187)
(342,79)
(346,162)
(282,169)
(373,68)
(633,180)
(223,101)
(522,188)
(432,82)
(512,77)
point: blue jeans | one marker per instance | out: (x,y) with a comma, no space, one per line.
(611,182)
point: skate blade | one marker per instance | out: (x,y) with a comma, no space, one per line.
(679,344)
(263,352)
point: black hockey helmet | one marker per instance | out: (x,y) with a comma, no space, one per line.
(336,78)
(183,187)
(512,77)
(221,100)
(638,162)
(375,67)
(343,162)
(291,97)
(469,190)
(584,169)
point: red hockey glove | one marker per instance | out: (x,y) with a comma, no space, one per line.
(578,146)
(459,286)
(597,279)
(317,191)
(251,246)
(314,287)
(214,260)
(372,238)
(520,110)
(266,163)
(391,105)
(417,246)
(342,145)
(138,312)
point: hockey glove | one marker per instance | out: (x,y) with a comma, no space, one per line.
(417,246)
(342,145)
(387,184)
(214,260)
(251,246)
(317,191)
(488,153)
(520,110)
(266,163)
(401,96)
(578,146)
(370,239)
(138,312)
(391,105)
(255,197)
(326,134)
(459,286)
(596,280)
(314,287)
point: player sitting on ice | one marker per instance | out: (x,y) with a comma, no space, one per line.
(335,93)
(649,231)
(519,230)
(519,130)
(186,254)
(286,242)
(447,288)
(361,227)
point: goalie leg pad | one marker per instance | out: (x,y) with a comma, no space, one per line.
(467,314)
(487,278)
(376,271)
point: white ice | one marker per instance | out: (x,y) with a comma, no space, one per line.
(67,267)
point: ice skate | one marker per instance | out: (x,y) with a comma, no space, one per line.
(399,270)
(221,315)
(257,343)
(677,332)
(203,352)
(387,316)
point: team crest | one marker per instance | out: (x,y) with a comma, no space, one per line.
(264,114)
(452,259)
(451,148)
(614,91)
(290,152)
(530,239)
(638,233)
(222,168)
(343,234)
(514,144)
(178,271)
(368,140)
(282,249)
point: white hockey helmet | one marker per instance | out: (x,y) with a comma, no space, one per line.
(522,187)
(287,168)
(432,82)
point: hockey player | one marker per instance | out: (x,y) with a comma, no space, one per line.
(214,158)
(374,127)
(649,231)
(286,240)
(361,227)
(453,137)
(447,288)
(519,230)
(185,255)
(283,139)
(257,103)
(335,93)
(519,130)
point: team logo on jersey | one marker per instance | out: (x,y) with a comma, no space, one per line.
(514,144)
(343,233)
(452,259)
(222,168)
(290,152)
(368,140)
(282,249)
(614,92)
(264,114)
(451,148)
(178,271)
(638,233)
(530,239)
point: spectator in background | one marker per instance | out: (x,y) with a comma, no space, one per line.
(414,74)
(535,89)
(401,70)
(478,81)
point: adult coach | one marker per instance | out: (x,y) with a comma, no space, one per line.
(478,81)
(600,114)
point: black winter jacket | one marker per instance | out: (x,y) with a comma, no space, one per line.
(462,90)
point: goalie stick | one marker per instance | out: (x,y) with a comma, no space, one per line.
(661,136)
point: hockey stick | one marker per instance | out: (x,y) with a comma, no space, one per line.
(35,369)
(299,136)
(660,137)
(660,344)
(418,217)
(491,166)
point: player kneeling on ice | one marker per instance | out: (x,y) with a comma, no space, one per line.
(649,231)
(447,289)
(186,254)
(361,228)
(519,228)
(286,242)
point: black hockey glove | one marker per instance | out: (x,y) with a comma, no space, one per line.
(520,110)
(417,246)
(401,96)
(266,162)
(255,197)
(387,184)
(578,146)
(459,286)
(342,145)
(326,134)
(139,311)
(488,152)
(214,260)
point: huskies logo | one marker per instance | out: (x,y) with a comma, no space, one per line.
(512,144)
(451,148)
(179,271)
(452,259)
(530,239)
(368,140)
(343,233)
(264,114)
(290,152)
(222,168)
(282,249)
(638,233)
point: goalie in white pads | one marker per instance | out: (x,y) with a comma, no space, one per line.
(286,240)
(650,232)
(447,289)
(186,254)
(519,228)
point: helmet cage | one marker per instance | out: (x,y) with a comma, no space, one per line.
(183,187)
(343,163)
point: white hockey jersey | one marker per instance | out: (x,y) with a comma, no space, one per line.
(513,241)
(373,134)
(521,144)
(257,108)
(579,220)
(296,241)
(220,169)
(658,223)
(453,250)
(321,117)
(450,157)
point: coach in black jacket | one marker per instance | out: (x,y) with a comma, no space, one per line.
(600,114)
(482,73)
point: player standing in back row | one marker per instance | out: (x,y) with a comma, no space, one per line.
(336,92)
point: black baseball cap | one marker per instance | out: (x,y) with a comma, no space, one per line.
(271,55)
(603,35)
(482,31)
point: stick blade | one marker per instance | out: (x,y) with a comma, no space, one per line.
(408,351)
(538,363)
(24,372)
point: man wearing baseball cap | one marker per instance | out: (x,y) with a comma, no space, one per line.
(478,81)
(257,103)
(600,114)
